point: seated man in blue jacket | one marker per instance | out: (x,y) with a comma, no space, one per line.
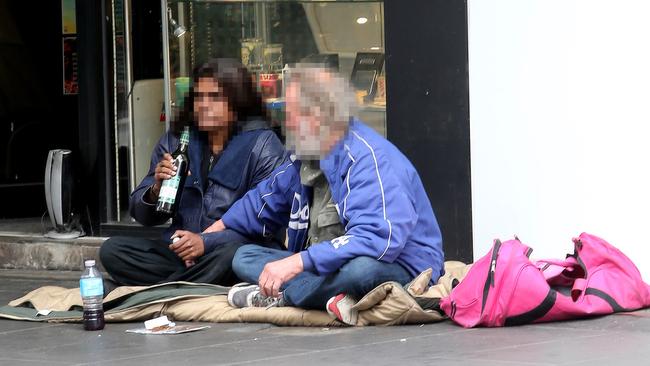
(389,231)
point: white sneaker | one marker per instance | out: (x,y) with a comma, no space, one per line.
(340,307)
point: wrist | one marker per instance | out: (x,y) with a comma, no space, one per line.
(300,267)
(154,191)
(208,245)
(306,262)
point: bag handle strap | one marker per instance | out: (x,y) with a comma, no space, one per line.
(579,286)
(537,313)
(551,268)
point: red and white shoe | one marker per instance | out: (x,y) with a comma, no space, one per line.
(340,307)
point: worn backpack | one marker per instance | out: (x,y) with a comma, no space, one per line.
(506,288)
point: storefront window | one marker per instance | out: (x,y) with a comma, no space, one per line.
(267,35)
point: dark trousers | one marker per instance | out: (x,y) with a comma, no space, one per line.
(141,262)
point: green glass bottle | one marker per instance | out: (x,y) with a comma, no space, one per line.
(172,188)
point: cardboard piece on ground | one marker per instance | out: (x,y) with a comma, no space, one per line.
(176,329)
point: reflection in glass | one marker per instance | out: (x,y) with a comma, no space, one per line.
(266,36)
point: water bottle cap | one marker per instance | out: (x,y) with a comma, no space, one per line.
(89,263)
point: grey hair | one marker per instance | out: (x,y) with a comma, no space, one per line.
(326,90)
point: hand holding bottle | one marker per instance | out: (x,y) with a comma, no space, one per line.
(165,169)
(170,176)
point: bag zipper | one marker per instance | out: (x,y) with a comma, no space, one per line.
(491,315)
(489,283)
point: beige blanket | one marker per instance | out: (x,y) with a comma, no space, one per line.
(387,304)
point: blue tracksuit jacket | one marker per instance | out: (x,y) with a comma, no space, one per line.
(379,197)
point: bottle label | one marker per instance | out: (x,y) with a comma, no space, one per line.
(185,136)
(91,287)
(168,189)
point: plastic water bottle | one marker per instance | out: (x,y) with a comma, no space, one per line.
(92,293)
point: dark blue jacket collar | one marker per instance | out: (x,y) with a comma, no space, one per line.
(228,170)
(252,124)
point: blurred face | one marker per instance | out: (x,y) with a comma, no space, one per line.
(211,108)
(303,126)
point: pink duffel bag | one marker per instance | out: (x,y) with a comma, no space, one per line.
(506,288)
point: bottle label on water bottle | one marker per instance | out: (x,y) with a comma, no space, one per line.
(168,189)
(91,287)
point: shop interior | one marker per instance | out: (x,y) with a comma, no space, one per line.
(266,37)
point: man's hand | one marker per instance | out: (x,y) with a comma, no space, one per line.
(277,273)
(216,227)
(165,169)
(189,245)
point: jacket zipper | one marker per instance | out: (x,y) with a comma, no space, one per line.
(201,188)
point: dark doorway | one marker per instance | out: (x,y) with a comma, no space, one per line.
(35,115)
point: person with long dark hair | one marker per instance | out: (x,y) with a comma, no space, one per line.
(231,149)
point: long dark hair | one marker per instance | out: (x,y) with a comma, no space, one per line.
(238,87)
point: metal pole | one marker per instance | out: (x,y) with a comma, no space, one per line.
(129,87)
(110,215)
(115,117)
(182,43)
(166,68)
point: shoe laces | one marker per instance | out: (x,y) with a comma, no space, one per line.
(260,300)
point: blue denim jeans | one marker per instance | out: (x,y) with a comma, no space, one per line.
(311,291)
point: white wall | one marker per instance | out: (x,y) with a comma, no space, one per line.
(560,123)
